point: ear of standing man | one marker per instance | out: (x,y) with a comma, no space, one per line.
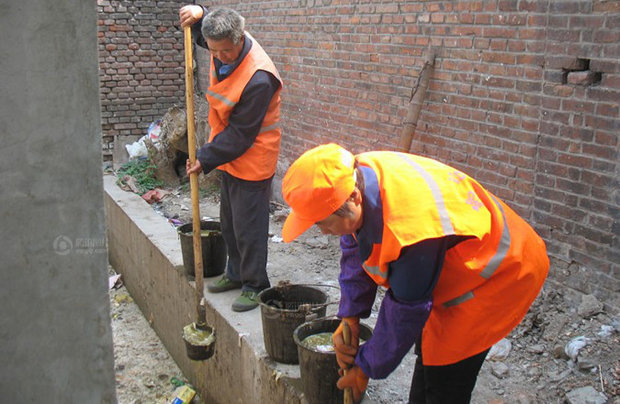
(461,268)
(244,142)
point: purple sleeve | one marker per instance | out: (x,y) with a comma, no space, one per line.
(398,326)
(357,289)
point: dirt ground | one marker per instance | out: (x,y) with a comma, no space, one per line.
(566,350)
(145,372)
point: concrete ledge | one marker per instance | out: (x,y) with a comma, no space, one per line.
(145,249)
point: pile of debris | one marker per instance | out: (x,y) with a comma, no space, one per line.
(157,160)
(567,346)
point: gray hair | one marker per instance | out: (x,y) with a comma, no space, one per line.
(344,210)
(223,23)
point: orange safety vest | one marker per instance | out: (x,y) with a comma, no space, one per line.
(259,161)
(487,283)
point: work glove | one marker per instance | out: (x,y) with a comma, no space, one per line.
(345,354)
(356,379)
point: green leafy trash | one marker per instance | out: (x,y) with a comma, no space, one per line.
(176,382)
(143,173)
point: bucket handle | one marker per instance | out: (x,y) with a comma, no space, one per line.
(319,284)
(282,284)
(309,308)
(312,314)
(332,317)
(312,309)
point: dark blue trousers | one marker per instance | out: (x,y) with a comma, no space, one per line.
(244,217)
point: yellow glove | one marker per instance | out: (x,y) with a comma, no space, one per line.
(356,379)
(345,354)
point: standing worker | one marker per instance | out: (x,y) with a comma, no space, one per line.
(461,268)
(244,110)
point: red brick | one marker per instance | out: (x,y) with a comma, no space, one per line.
(602,6)
(606,95)
(609,110)
(605,65)
(424,18)
(611,36)
(566,62)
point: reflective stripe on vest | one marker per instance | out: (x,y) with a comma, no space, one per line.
(269,127)
(444,217)
(221,98)
(502,248)
(458,300)
(375,271)
(494,262)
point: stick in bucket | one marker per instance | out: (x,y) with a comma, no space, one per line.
(198,336)
(346,335)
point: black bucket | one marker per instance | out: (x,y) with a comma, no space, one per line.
(199,341)
(283,308)
(213,248)
(319,370)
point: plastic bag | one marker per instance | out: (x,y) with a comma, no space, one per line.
(501,350)
(137,149)
(574,345)
(154,131)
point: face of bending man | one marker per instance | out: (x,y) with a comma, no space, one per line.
(225,49)
(347,221)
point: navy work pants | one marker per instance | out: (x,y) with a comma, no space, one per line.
(244,217)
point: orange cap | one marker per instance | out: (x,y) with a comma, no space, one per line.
(315,186)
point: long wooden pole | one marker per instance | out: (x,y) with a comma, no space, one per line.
(415,104)
(346,335)
(193,178)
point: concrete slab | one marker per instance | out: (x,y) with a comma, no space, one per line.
(145,249)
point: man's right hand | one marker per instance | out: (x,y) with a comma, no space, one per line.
(345,354)
(190,14)
(196,168)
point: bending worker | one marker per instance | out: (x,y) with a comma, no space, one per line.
(461,268)
(244,110)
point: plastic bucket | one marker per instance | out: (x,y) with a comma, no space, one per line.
(319,370)
(284,308)
(213,248)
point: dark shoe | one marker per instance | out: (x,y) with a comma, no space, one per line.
(247,301)
(222,285)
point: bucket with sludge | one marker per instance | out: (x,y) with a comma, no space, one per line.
(199,341)
(317,359)
(214,251)
(284,308)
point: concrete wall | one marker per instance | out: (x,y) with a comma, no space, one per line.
(55,333)
(145,249)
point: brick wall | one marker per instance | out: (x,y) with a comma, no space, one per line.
(141,65)
(524,97)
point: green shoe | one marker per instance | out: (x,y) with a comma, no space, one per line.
(247,301)
(222,285)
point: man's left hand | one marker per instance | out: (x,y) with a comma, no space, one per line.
(356,379)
